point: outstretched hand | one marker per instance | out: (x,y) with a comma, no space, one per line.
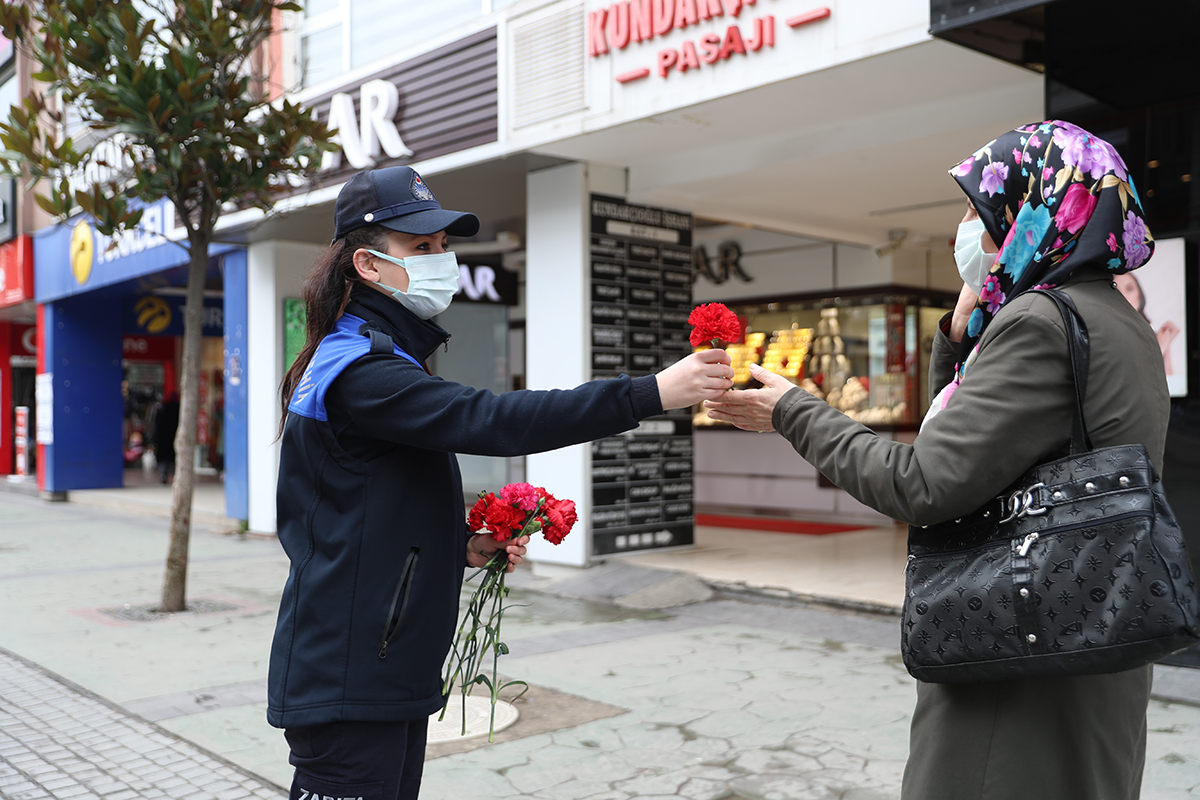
(481,547)
(751,409)
(701,376)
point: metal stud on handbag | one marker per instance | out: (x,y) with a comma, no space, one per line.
(1079,568)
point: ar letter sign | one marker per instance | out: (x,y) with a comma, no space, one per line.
(363,141)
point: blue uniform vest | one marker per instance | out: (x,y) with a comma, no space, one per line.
(341,348)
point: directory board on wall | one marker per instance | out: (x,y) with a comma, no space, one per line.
(641,295)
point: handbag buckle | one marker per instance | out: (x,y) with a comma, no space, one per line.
(1020,504)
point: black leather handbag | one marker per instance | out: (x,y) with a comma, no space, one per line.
(1079,568)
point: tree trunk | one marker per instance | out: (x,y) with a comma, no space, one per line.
(174,591)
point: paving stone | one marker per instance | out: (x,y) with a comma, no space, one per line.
(34,763)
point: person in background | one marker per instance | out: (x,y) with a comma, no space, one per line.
(370,502)
(166,422)
(1061,204)
(1166,333)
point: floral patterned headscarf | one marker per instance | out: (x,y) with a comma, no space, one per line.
(1059,199)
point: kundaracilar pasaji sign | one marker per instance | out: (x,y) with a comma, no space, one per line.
(635,21)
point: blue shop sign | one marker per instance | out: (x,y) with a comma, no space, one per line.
(73,258)
(156,315)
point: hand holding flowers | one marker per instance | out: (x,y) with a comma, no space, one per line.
(502,527)
(482,548)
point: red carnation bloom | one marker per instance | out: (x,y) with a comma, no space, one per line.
(475,521)
(562,517)
(713,322)
(503,520)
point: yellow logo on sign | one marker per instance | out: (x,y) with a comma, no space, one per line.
(153,314)
(82,252)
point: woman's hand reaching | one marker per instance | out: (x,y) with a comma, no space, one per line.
(701,376)
(751,409)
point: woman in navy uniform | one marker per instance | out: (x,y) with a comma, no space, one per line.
(370,501)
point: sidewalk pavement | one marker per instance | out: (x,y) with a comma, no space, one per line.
(743,695)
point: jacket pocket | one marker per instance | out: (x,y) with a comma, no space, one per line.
(395,615)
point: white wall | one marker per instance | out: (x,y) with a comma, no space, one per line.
(557,350)
(781,265)
(276,271)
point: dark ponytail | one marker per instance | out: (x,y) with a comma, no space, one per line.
(326,293)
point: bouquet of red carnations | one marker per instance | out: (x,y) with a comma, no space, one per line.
(520,510)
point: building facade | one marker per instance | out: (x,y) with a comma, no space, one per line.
(628,160)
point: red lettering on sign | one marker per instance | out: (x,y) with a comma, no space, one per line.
(641,24)
(685,13)
(764,34)
(688,57)
(666,60)
(811,16)
(618,26)
(632,75)
(597,44)
(663,12)
(614,27)
(733,42)
(710,48)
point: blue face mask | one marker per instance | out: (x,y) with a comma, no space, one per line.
(432,282)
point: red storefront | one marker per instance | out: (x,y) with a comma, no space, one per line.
(18,351)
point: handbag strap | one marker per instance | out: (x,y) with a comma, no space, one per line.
(1079,349)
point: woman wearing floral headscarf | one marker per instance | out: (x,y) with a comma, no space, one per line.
(1061,205)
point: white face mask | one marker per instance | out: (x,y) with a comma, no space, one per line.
(432,282)
(973,263)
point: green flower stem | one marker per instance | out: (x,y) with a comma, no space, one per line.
(479,631)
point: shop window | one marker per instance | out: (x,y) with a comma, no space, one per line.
(867,356)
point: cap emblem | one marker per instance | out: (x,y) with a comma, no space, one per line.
(419,190)
(368,217)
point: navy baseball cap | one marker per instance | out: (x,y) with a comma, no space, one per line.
(398,199)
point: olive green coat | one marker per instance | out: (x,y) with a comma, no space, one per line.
(1078,738)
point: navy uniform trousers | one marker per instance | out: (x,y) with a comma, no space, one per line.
(358,760)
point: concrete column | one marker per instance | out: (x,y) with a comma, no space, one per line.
(275,271)
(558,321)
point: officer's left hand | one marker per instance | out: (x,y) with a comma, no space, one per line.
(481,547)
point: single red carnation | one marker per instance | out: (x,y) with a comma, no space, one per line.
(503,520)
(475,520)
(713,321)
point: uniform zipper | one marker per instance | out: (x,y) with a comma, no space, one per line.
(391,628)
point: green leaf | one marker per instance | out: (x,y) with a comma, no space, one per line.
(45,204)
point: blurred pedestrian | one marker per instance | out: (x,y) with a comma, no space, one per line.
(166,422)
